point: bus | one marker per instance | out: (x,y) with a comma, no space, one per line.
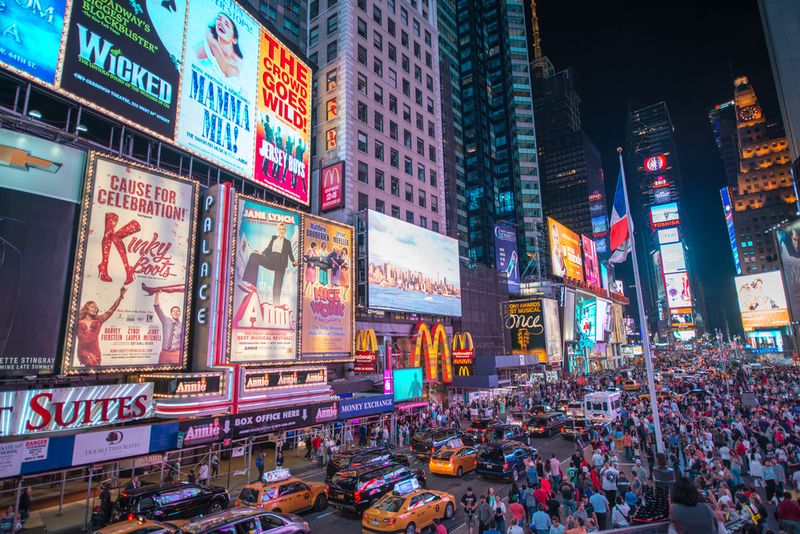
(602,405)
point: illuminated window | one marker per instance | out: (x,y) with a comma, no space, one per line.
(330,139)
(330,81)
(330,112)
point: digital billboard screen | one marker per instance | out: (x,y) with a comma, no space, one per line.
(412,269)
(665,215)
(727,207)
(788,238)
(599,225)
(679,294)
(673,259)
(565,251)
(407,384)
(585,321)
(762,301)
(602,320)
(591,265)
(31,38)
(124,57)
(668,235)
(524,327)
(505,255)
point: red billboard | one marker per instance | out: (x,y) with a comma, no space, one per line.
(331,187)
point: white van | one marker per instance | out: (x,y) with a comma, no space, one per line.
(603,405)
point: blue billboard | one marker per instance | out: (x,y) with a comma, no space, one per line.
(407,384)
(728,209)
(506,256)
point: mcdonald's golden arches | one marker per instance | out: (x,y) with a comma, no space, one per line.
(366,351)
(463,354)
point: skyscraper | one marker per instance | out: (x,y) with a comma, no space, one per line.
(501,175)
(722,119)
(570,167)
(763,194)
(654,189)
(288,18)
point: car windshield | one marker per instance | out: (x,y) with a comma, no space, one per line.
(491,454)
(249,495)
(443,454)
(421,436)
(344,482)
(389,503)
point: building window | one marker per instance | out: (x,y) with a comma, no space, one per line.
(395,211)
(429,82)
(378,121)
(434,181)
(432,153)
(313,9)
(405,63)
(408,166)
(393,130)
(378,94)
(331,51)
(380,206)
(430,105)
(362,112)
(377,15)
(409,193)
(404,39)
(361,83)
(410,217)
(330,80)
(362,55)
(377,40)
(377,66)
(404,16)
(313,36)
(420,146)
(379,179)
(330,139)
(390,5)
(378,150)
(395,186)
(418,117)
(427,38)
(423,221)
(392,102)
(431,132)
(390,27)
(435,226)
(406,139)
(421,172)
(363,172)
(392,52)
(417,50)
(363,202)
(363,141)
(362,27)
(394,158)
(406,87)
(333,24)
(362,5)
(332,3)
(393,78)
(422,199)
(330,109)
(434,204)
(407,113)
(415,27)
(418,97)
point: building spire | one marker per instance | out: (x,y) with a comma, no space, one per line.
(535,38)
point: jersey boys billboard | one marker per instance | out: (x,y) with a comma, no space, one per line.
(327,289)
(124,56)
(132,271)
(219,73)
(283,157)
(264,283)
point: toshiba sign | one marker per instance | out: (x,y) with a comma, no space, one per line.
(55,410)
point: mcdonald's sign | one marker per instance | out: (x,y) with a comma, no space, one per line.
(432,346)
(366,352)
(463,354)
(331,187)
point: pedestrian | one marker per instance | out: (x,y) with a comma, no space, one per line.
(320,452)
(600,506)
(687,513)
(105,501)
(515,528)
(191,477)
(555,526)
(307,443)
(439,527)
(214,465)
(25,504)
(485,515)
(202,475)
(608,477)
(133,484)
(279,459)
(540,522)
(620,514)
(260,466)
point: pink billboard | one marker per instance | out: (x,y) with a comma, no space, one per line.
(591,266)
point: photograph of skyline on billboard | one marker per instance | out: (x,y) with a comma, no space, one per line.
(412,269)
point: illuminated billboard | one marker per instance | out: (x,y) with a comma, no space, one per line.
(665,215)
(668,235)
(655,163)
(585,320)
(590,263)
(673,259)
(681,317)
(727,207)
(565,251)
(407,384)
(505,255)
(599,226)
(411,269)
(602,319)
(524,327)
(32,38)
(788,238)
(762,301)
(679,294)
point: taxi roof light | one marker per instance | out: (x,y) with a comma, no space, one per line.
(406,486)
(276,475)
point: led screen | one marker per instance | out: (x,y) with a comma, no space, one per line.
(673,258)
(407,384)
(668,235)
(762,301)
(679,294)
(665,215)
(565,251)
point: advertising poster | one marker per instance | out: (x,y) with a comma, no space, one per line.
(31,37)
(788,238)
(265,283)
(331,189)
(585,321)
(220,67)
(506,256)
(669,235)
(124,57)
(665,215)
(591,265)
(40,190)
(762,301)
(407,384)
(523,323)
(565,251)
(412,269)
(283,121)
(679,294)
(728,209)
(673,259)
(552,331)
(327,264)
(599,226)
(133,270)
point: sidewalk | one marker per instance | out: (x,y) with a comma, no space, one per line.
(45,516)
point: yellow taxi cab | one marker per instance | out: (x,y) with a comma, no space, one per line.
(454,461)
(631,385)
(281,492)
(139,525)
(407,508)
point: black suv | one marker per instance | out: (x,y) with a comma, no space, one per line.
(358,457)
(427,442)
(170,501)
(356,490)
(547,424)
(510,432)
(475,433)
(504,459)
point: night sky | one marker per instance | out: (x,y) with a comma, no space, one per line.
(685,53)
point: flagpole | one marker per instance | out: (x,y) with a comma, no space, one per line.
(648,360)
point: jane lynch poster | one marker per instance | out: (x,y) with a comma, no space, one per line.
(264,284)
(133,270)
(219,83)
(327,289)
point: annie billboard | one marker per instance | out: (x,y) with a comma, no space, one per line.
(133,270)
